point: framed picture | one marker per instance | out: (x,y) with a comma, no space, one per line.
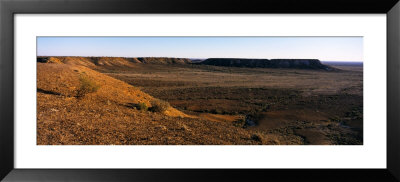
(200,90)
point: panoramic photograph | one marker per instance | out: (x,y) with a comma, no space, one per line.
(199,90)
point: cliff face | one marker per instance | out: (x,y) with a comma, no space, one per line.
(267,63)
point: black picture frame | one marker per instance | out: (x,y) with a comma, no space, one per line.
(8,8)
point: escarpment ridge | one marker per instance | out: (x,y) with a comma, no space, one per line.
(112,60)
(227,62)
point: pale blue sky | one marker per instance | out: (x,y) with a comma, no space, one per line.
(323,48)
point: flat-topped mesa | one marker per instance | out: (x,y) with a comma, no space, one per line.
(268,63)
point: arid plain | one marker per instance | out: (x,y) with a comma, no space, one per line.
(171,101)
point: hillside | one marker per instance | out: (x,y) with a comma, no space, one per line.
(268,63)
(110,114)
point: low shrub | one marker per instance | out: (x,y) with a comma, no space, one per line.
(241,122)
(159,106)
(141,106)
(86,86)
(217,111)
(258,137)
